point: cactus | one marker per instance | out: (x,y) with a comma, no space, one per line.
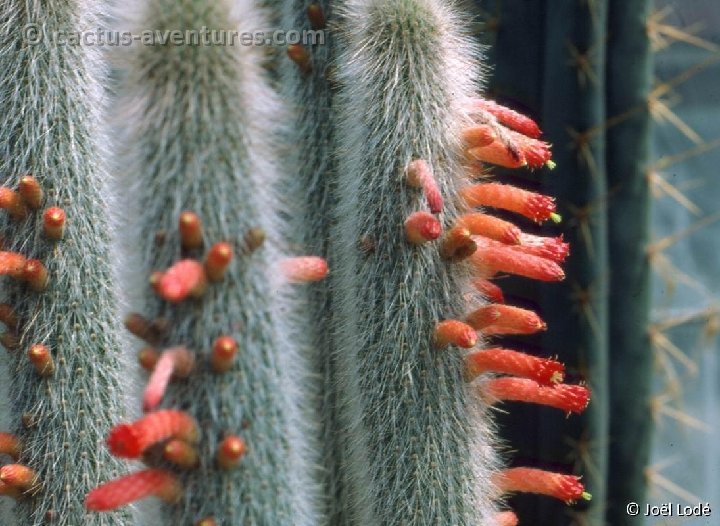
(392,352)
(311,169)
(629,80)
(61,313)
(205,167)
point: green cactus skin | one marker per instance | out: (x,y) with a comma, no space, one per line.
(50,99)
(629,81)
(417,452)
(311,168)
(204,121)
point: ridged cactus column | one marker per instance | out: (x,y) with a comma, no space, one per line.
(204,121)
(629,80)
(61,315)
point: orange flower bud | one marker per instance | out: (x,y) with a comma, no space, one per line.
(190,227)
(31,192)
(181,454)
(230,451)
(19,477)
(9,445)
(11,201)
(454,332)
(41,358)
(422,227)
(223,354)
(54,223)
(36,275)
(217,260)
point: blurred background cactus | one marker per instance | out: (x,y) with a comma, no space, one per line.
(329,403)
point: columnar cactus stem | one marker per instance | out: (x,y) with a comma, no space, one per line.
(311,177)
(418,454)
(204,125)
(50,98)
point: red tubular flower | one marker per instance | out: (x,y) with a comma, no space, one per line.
(478,136)
(454,332)
(505,319)
(491,227)
(422,227)
(567,488)
(506,518)
(136,486)
(515,363)
(185,278)
(553,248)
(305,268)
(490,259)
(12,264)
(420,175)
(499,154)
(9,445)
(506,116)
(569,398)
(489,290)
(131,440)
(177,361)
(534,206)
